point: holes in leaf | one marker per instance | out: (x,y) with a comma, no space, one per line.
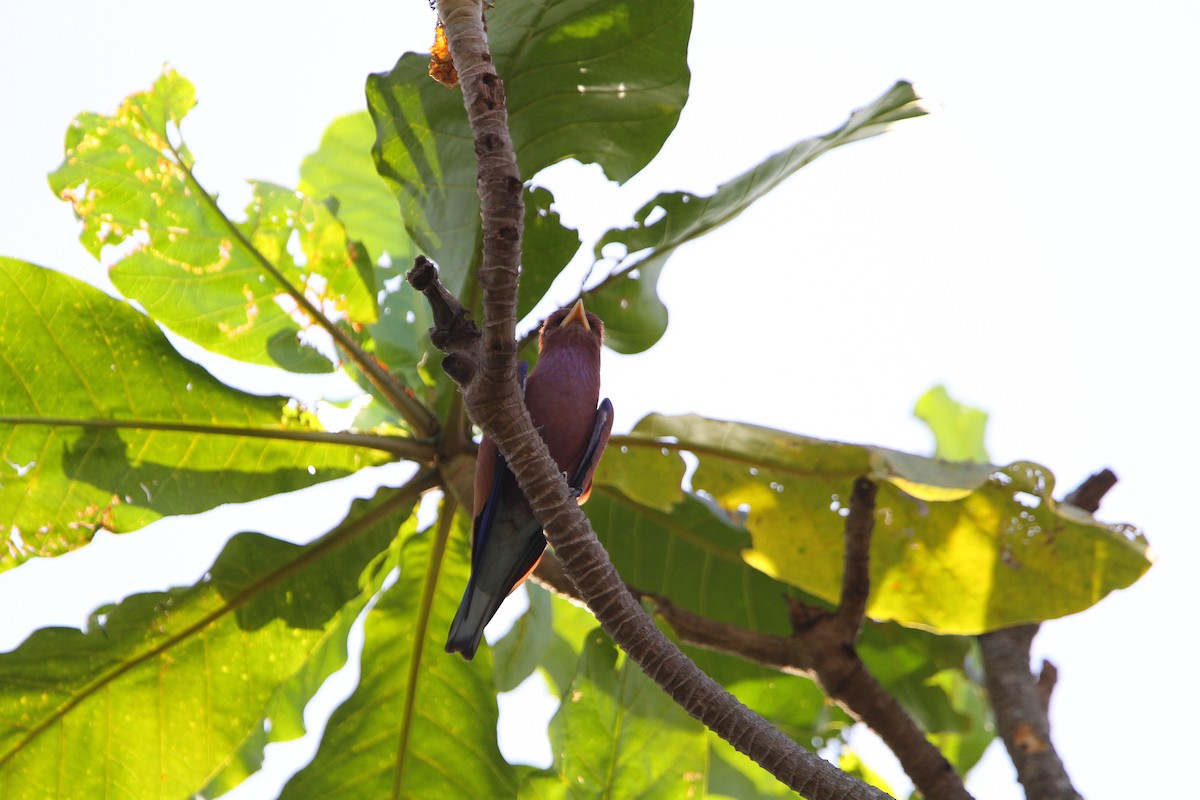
(1028,500)
(656,213)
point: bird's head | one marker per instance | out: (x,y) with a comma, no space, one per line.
(571,326)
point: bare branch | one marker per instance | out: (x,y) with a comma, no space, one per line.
(856,562)
(1020,701)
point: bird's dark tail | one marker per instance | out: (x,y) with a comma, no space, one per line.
(474,612)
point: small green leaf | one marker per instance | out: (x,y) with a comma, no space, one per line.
(957,548)
(196,671)
(634,317)
(230,287)
(958,429)
(103,423)
(422,722)
(617,734)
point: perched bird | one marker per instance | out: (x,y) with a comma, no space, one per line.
(507,541)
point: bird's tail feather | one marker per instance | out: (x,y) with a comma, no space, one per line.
(474,612)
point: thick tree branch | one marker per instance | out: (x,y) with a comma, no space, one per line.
(593,579)
(822,648)
(486,371)
(1020,701)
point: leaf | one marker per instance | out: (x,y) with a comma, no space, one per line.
(342,169)
(957,548)
(964,746)
(692,556)
(102,423)
(617,734)
(570,625)
(627,301)
(907,662)
(958,429)
(732,774)
(518,652)
(553,243)
(422,722)
(600,81)
(230,287)
(616,69)
(164,689)
(851,763)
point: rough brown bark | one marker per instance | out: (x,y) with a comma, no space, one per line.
(1020,700)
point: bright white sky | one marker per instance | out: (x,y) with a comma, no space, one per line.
(1031,245)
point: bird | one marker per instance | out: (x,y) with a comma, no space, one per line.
(507,541)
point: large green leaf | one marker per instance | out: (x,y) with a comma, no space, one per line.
(617,734)
(230,287)
(102,423)
(422,722)
(598,81)
(634,316)
(342,169)
(692,556)
(164,690)
(674,544)
(958,547)
(594,80)
(517,654)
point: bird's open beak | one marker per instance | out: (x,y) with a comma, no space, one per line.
(577,314)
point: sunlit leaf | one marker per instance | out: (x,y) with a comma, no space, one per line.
(851,763)
(422,722)
(957,429)
(163,690)
(958,547)
(634,317)
(598,81)
(617,734)
(553,244)
(964,746)
(570,626)
(594,80)
(517,654)
(906,662)
(220,283)
(733,776)
(103,423)
(342,169)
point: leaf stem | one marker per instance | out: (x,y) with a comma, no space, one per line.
(411,449)
(428,594)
